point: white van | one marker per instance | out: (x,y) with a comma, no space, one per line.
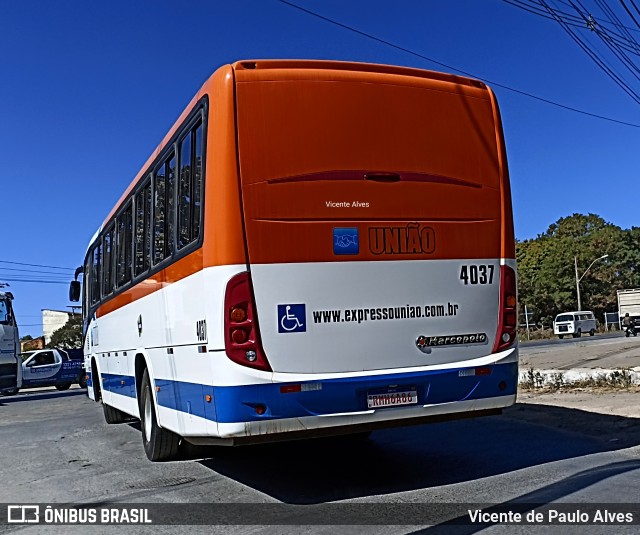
(574,323)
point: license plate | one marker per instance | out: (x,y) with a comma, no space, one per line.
(392,399)
(562,328)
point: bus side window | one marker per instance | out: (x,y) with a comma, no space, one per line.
(196,216)
(96,255)
(123,247)
(190,187)
(170,207)
(163,226)
(142,237)
(107,263)
(185,194)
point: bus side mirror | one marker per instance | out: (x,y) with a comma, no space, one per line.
(74,291)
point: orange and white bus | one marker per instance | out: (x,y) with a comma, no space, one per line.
(314,248)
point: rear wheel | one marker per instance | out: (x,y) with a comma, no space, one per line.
(159,444)
(592,332)
(63,386)
(561,336)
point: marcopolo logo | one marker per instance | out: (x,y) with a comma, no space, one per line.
(425,343)
(412,239)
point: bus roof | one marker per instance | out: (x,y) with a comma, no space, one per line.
(290,65)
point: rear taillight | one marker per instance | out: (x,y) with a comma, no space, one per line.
(241,332)
(508,318)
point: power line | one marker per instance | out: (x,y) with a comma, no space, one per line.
(596,59)
(450,67)
(629,12)
(618,44)
(48,272)
(35,265)
(36,280)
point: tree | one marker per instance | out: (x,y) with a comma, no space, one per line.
(69,335)
(546,266)
(26,338)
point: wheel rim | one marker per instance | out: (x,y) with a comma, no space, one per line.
(147,416)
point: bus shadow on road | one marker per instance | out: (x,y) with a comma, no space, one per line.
(422,457)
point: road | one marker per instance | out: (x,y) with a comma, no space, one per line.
(556,342)
(606,351)
(56,448)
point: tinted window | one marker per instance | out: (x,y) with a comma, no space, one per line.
(159,186)
(163,225)
(197,184)
(95,274)
(107,264)
(123,247)
(190,187)
(142,252)
(185,197)
(170,206)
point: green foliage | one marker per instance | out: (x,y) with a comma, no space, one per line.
(546,272)
(69,335)
(26,338)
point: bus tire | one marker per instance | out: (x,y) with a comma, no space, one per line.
(592,332)
(159,444)
(113,415)
(82,382)
(63,386)
(561,336)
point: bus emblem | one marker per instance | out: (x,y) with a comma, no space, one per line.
(345,241)
(425,343)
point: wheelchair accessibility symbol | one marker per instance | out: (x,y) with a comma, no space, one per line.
(292,318)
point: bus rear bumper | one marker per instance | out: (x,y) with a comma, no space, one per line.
(284,411)
(245,433)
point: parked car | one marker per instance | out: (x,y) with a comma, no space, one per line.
(575,323)
(53,367)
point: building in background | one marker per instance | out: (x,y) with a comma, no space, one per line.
(52,320)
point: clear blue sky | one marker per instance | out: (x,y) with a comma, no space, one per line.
(88,89)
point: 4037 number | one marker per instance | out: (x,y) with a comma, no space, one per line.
(477,274)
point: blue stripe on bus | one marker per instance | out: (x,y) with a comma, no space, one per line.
(238,403)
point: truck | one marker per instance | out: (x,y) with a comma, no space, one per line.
(10,369)
(629,302)
(53,367)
